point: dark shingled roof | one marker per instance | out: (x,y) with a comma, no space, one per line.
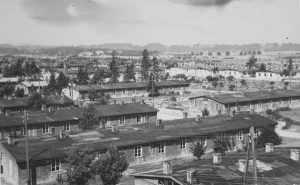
(130,85)
(65,114)
(138,134)
(281,170)
(15,102)
(252,96)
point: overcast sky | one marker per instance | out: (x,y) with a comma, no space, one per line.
(84,22)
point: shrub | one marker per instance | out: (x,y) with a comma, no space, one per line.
(221,144)
(268,135)
(197,149)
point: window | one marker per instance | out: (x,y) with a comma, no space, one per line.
(182,144)
(123,92)
(114,92)
(270,75)
(138,118)
(67,127)
(46,128)
(161,148)
(55,165)
(195,103)
(240,135)
(122,120)
(138,151)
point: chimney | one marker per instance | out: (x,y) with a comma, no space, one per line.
(114,129)
(295,154)
(198,118)
(167,168)
(191,176)
(50,109)
(43,107)
(10,139)
(115,101)
(142,101)
(242,165)
(123,103)
(269,148)
(185,115)
(102,124)
(217,158)
(7,113)
(159,122)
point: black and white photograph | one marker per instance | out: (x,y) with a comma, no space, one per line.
(149,92)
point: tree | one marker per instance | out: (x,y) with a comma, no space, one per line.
(82,77)
(231,87)
(198,149)
(241,53)
(155,68)
(52,83)
(262,67)
(221,144)
(19,92)
(113,67)
(99,76)
(36,101)
(88,121)
(61,81)
(286,84)
(230,79)
(6,90)
(268,135)
(251,63)
(215,70)
(219,53)
(205,112)
(259,52)
(243,83)
(152,89)
(79,170)
(227,53)
(111,166)
(129,74)
(272,84)
(290,64)
(145,65)
(209,78)
(214,84)
(210,54)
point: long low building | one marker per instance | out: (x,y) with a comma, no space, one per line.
(79,93)
(51,122)
(142,144)
(257,101)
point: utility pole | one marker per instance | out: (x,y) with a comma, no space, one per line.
(27,156)
(247,161)
(253,155)
(153,89)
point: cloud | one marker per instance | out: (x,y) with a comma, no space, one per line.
(205,3)
(63,11)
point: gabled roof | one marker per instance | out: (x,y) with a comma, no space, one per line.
(273,168)
(137,135)
(129,85)
(66,114)
(252,96)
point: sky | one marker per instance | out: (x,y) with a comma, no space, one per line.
(182,22)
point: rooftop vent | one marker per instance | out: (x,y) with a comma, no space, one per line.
(167,168)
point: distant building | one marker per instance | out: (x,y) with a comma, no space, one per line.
(10,80)
(52,121)
(231,72)
(31,86)
(268,75)
(79,93)
(257,101)
(141,144)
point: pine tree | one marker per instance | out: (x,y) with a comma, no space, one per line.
(129,74)
(113,67)
(82,77)
(52,83)
(145,65)
(156,69)
(62,81)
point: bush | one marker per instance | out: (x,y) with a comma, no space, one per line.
(197,149)
(268,135)
(173,98)
(221,144)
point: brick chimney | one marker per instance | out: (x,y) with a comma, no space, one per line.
(295,154)
(217,158)
(185,115)
(269,148)
(167,168)
(10,139)
(191,176)
(123,103)
(242,165)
